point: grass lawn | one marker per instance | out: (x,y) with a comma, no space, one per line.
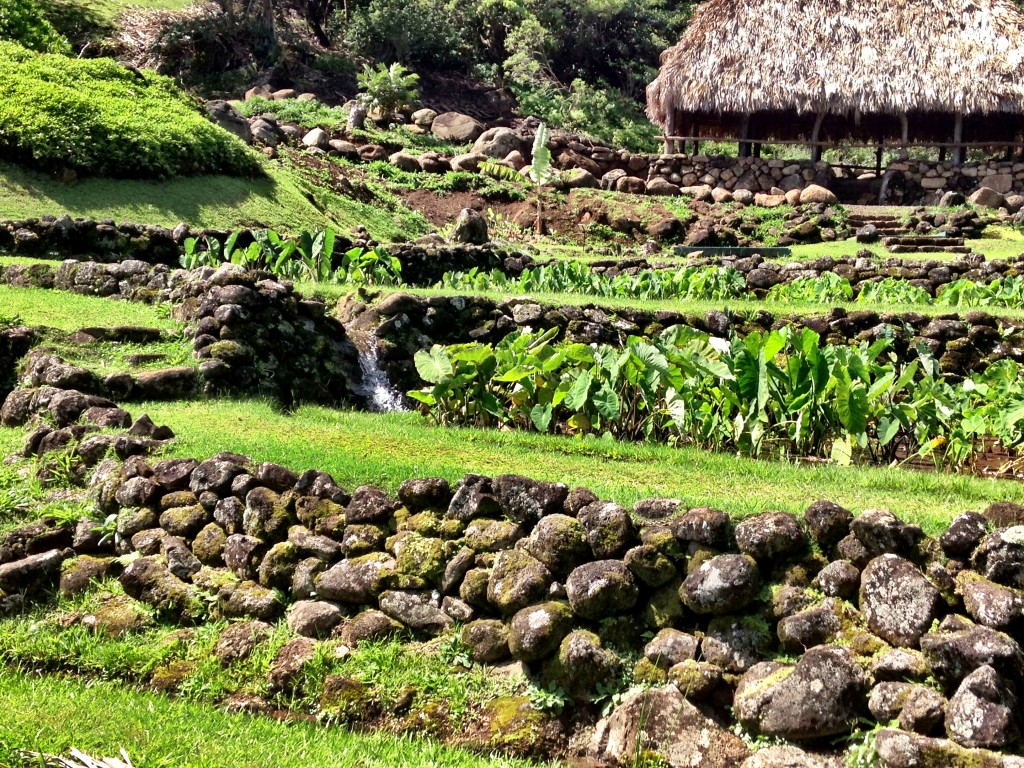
(52,715)
(70,311)
(360,448)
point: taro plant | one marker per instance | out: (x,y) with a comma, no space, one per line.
(540,172)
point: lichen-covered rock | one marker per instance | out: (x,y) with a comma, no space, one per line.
(770,535)
(369,626)
(228,515)
(138,492)
(1000,557)
(823,695)
(536,632)
(671,647)
(736,643)
(416,610)
(314,618)
(840,578)
(663,608)
(473,497)
(208,545)
(954,655)
(963,535)
(78,573)
(433,493)
(526,501)
(180,560)
(456,569)
(132,520)
(827,523)
(983,711)
(266,515)
(650,565)
(174,474)
(806,629)
(900,664)
(560,542)
(149,580)
(601,589)
(185,522)
(516,580)
(310,544)
(356,581)
(278,566)
(901,749)
(661,722)
(898,602)
(887,699)
(924,710)
(989,603)
(583,663)
(609,529)
(881,532)
(704,526)
(303,586)
(419,555)
(238,640)
(213,475)
(474,587)
(242,554)
(249,599)
(486,535)
(721,585)
(487,640)
(369,504)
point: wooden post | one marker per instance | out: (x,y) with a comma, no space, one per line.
(744,145)
(878,159)
(958,137)
(942,154)
(670,130)
(815,134)
(904,134)
(757,149)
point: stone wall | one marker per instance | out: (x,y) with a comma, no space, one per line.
(925,180)
(727,622)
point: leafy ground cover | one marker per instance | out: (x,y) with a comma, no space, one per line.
(53,714)
(99,118)
(385,449)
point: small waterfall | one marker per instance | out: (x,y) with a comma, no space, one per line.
(381,396)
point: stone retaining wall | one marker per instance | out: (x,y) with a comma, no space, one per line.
(874,618)
(925,178)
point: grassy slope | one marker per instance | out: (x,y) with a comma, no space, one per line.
(70,311)
(53,715)
(362,448)
(204,201)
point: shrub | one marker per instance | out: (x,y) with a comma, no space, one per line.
(307,113)
(420,33)
(99,118)
(387,89)
(23,22)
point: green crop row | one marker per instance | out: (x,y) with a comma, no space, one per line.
(777,394)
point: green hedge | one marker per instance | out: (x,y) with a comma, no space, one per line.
(99,118)
(23,22)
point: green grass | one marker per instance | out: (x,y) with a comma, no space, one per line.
(360,448)
(52,715)
(70,311)
(991,248)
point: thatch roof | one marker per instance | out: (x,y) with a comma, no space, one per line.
(851,57)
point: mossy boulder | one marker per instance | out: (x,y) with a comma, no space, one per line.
(238,640)
(697,680)
(535,632)
(609,529)
(132,520)
(77,573)
(663,608)
(420,556)
(169,678)
(185,522)
(231,352)
(722,584)
(208,545)
(149,580)
(249,599)
(357,580)
(118,616)
(517,580)
(487,535)
(649,565)
(583,664)
(514,725)
(267,515)
(601,589)
(487,640)
(178,499)
(560,542)
(278,566)
(347,699)
(473,589)
(310,510)
(362,539)
(369,626)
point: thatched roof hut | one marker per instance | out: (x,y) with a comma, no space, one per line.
(917,70)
